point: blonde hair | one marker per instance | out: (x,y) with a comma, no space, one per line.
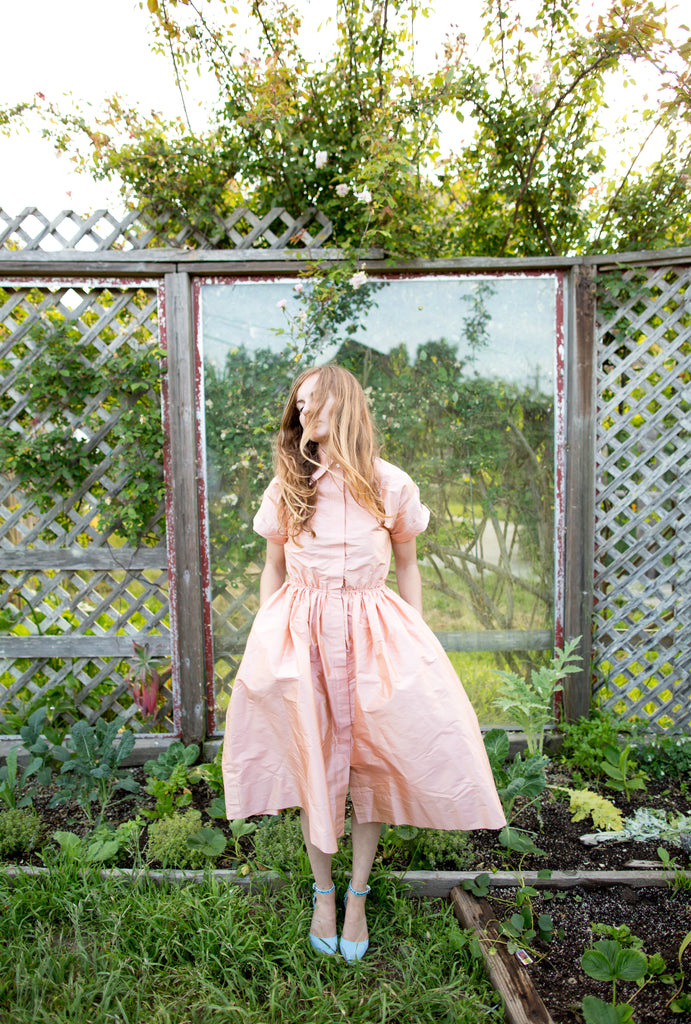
(351,443)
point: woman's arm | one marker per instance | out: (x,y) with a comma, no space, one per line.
(408,573)
(274,571)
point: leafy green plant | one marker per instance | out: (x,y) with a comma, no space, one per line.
(211,773)
(12,782)
(621,770)
(681,1001)
(520,778)
(397,838)
(438,850)
(173,756)
(239,828)
(521,927)
(584,740)
(646,825)
(92,769)
(38,745)
(104,845)
(209,842)
(664,756)
(619,958)
(530,703)
(20,831)
(478,886)
(172,793)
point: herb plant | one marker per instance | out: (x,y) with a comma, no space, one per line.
(530,703)
(168,841)
(20,831)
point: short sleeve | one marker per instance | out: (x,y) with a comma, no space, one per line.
(266,519)
(406,516)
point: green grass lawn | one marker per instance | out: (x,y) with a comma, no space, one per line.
(80,950)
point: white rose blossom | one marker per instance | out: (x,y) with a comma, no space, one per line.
(342,190)
(281,303)
(365,196)
(321,159)
(358,279)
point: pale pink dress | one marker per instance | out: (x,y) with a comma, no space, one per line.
(343,685)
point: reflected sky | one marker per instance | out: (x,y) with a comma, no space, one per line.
(521,332)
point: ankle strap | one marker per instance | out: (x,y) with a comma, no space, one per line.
(366,891)
(323,892)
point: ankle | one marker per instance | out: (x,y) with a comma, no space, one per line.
(326,890)
(357,890)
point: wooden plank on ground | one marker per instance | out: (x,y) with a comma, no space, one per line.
(522,1003)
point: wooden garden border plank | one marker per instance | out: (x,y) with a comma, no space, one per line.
(430,884)
(522,1003)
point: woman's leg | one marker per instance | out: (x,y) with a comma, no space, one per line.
(365,841)
(324,917)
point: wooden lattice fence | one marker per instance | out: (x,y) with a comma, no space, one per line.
(642,596)
(80,596)
(74,597)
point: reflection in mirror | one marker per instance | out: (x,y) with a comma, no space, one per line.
(460,375)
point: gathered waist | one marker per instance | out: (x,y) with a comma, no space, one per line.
(333,587)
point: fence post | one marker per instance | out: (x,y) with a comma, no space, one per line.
(186,615)
(580,484)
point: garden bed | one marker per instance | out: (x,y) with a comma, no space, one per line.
(638,894)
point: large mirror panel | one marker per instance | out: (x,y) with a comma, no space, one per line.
(460,373)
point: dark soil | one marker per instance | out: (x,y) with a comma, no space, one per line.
(658,916)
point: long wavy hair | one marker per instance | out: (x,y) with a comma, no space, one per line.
(351,443)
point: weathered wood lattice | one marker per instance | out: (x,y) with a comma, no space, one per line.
(73,596)
(642,619)
(31,230)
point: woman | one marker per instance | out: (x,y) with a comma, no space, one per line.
(343,687)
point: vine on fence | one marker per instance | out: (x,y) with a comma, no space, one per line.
(60,436)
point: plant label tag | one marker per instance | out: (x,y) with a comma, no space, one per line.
(524,957)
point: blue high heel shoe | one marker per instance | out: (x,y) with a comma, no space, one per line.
(328,946)
(353,950)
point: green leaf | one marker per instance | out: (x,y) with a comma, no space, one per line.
(518,841)
(595,1011)
(209,841)
(600,962)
